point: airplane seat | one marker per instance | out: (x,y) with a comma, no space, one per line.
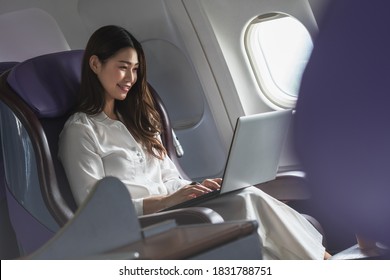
(36,98)
(340,128)
(93,234)
(6,65)
(8,245)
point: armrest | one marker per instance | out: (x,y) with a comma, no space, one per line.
(185,216)
(94,229)
(236,240)
(287,186)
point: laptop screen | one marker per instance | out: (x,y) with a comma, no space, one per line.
(255,149)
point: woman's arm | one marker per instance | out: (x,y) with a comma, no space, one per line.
(82,165)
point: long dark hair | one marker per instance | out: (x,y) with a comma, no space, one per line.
(137,109)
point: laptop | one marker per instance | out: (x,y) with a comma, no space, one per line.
(254,154)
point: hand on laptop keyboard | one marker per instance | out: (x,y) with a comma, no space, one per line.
(188,193)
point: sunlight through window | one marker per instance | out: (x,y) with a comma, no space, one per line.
(278,47)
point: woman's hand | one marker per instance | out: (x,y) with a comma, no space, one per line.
(213,184)
(191,191)
(154,204)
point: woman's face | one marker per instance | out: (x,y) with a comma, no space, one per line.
(117,74)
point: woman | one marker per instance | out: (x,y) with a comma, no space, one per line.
(115,132)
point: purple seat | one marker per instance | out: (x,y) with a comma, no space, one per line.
(8,245)
(7,65)
(36,98)
(38,196)
(341,124)
(4,66)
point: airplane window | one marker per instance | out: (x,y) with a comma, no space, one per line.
(278,48)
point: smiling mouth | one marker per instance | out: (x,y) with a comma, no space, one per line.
(124,88)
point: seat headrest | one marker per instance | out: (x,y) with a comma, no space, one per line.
(48,83)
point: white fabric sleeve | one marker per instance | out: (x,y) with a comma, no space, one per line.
(139,206)
(171,176)
(78,152)
(83,166)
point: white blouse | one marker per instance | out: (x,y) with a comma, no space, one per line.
(92,147)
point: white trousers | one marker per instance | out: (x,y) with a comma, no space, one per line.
(284,232)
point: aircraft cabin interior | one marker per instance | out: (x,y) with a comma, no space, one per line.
(209,62)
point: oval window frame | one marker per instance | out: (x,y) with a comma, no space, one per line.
(273,92)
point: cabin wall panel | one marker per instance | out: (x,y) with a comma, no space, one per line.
(65,14)
(227,21)
(196,60)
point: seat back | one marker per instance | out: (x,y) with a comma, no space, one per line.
(36,98)
(8,245)
(4,67)
(341,121)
